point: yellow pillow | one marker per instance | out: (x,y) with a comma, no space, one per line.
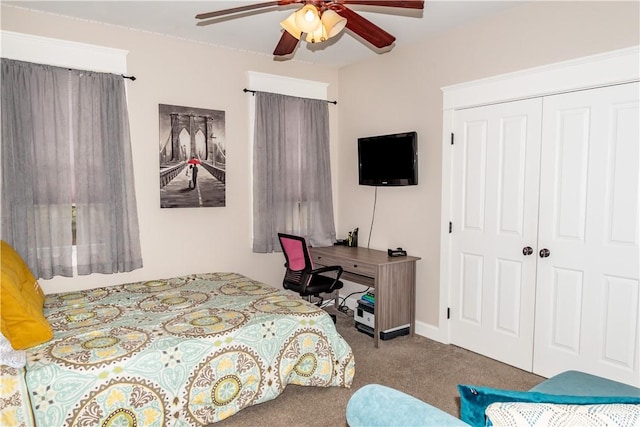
(12,259)
(21,301)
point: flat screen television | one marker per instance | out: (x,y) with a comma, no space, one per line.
(388,160)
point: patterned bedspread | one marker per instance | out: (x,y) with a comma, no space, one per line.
(190,350)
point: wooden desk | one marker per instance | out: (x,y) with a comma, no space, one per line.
(394,280)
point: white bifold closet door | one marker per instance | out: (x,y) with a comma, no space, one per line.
(496,161)
(587,287)
(544,249)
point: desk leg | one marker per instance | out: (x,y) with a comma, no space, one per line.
(395,297)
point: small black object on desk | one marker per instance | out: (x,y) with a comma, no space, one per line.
(397,252)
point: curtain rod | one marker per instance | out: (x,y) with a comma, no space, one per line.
(253,92)
(132,78)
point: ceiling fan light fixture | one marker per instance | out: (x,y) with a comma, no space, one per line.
(307,19)
(332,22)
(291,27)
(319,35)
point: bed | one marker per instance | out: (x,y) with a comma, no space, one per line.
(189,350)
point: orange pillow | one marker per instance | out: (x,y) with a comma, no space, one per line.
(21,303)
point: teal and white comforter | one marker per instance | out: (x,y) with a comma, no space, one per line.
(190,350)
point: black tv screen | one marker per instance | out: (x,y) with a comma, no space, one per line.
(388,160)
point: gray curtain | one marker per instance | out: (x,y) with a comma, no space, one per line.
(65,139)
(292,171)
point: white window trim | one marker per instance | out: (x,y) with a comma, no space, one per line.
(62,53)
(273,83)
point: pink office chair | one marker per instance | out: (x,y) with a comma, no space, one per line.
(301,276)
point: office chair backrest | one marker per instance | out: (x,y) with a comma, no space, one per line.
(298,259)
(294,249)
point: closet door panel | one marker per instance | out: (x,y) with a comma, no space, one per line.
(587,297)
(622,199)
(565,300)
(570,170)
(619,305)
(495,183)
(475,165)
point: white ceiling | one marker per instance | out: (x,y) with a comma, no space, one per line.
(259,31)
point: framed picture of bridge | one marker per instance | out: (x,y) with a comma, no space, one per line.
(192,157)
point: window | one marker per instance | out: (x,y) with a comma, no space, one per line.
(292,172)
(303,199)
(66,134)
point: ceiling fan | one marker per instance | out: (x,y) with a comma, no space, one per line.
(319,20)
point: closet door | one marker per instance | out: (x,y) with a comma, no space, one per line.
(495,166)
(587,305)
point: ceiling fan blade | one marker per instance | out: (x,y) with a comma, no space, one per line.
(286,45)
(246,8)
(406,4)
(366,29)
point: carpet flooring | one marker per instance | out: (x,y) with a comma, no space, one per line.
(415,365)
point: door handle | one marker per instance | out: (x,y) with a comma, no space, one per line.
(527,250)
(544,253)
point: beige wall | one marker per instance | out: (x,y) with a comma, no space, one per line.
(400,91)
(394,92)
(177,72)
